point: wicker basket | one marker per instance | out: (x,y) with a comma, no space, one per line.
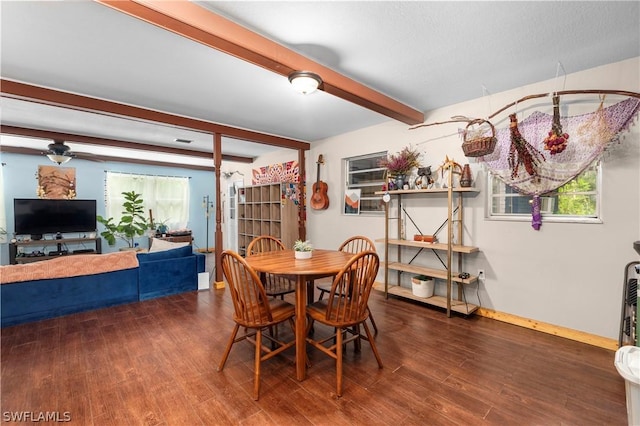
(475,145)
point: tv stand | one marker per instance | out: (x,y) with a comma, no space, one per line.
(34,251)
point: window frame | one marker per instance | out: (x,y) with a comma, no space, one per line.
(374,183)
(546,216)
(114,201)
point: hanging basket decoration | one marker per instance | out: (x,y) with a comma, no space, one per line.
(476,141)
(521,152)
(556,142)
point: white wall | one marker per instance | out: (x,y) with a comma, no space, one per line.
(566,274)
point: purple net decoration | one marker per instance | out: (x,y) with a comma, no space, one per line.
(536,216)
(592,134)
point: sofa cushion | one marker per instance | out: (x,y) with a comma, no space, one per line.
(167,254)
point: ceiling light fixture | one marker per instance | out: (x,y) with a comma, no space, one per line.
(59,152)
(305,82)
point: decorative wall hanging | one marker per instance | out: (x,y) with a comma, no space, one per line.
(522,152)
(56,182)
(591,134)
(281,172)
(523,143)
(290,192)
(556,142)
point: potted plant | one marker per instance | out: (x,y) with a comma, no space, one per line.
(133,223)
(400,164)
(162,228)
(302,249)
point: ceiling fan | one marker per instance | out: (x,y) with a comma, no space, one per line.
(59,152)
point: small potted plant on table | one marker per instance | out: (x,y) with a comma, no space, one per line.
(302,249)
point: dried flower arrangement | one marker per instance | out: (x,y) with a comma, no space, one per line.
(521,152)
(556,142)
(401,163)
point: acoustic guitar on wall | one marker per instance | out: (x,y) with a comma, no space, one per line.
(319,199)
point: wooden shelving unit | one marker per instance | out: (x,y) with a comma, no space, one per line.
(451,248)
(264,210)
(16,258)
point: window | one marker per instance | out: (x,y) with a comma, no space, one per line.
(166,196)
(363,173)
(576,201)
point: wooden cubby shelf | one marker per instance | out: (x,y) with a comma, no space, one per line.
(262,210)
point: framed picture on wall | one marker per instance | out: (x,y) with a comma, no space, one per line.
(352,201)
(56,182)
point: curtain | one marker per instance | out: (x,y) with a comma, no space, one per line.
(166,196)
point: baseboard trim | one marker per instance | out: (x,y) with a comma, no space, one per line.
(555,330)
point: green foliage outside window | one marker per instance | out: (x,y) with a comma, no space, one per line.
(577,197)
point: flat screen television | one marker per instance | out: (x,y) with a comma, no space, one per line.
(43,216)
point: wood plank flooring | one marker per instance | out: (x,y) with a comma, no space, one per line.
(154,363)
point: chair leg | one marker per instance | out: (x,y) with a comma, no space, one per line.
(339,363)
(356,343)
(229,345)
(321,294)
(373,344)
(256,367)
(373,323)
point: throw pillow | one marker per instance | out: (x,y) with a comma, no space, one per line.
(162,245)
(165,254)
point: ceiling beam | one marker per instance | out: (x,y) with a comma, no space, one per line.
(90,140)
(106,158)
(27,92)
(192,21)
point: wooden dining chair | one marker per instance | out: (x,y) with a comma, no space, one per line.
(355,244)
(274,285)
(346,314)
(255,312)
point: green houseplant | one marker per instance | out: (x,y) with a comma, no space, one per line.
(302,249)
(132,223)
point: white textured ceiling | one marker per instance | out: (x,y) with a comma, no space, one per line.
(424,54)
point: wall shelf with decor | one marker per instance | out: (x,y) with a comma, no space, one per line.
(265,210)
(453,247)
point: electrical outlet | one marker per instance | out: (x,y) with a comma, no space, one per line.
(481,275)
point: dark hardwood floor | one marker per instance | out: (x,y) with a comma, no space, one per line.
(154,363)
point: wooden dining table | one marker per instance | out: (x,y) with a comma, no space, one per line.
(321,264)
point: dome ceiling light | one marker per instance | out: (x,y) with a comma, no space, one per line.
(305,82)
(59,152)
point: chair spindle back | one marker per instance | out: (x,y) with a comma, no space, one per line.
(247,292)
(355,280)
(265,243)
(356,244)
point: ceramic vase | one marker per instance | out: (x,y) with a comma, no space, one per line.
(465,177)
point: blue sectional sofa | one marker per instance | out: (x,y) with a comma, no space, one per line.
(149,275)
